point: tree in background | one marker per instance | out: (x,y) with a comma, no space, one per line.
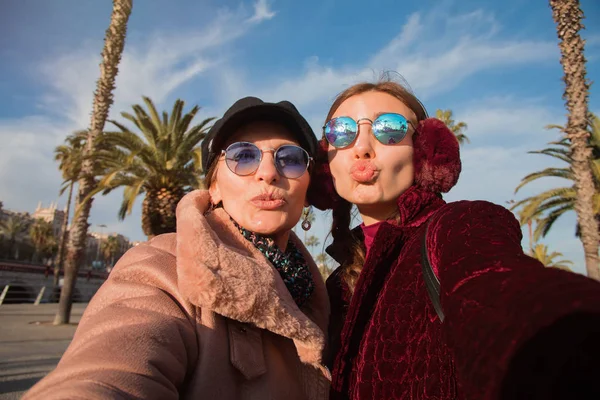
(553,260)
(568,15)
(322,261)
(160,160)
(69,158)
(110,248)
(546,207)
(457,127)
(114,42)
(312,242)
(11,228)
(42,237)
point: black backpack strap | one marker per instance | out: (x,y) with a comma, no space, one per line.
(432,283)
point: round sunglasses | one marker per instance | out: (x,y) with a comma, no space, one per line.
(388,128)
(243,158)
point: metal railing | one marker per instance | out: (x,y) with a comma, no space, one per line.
(18,294)
(47,270)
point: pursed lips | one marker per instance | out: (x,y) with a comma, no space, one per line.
(268,201)
(363,171)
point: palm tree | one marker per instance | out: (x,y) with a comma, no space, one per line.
(540,252)
(312,242)
(567,15)
(548,206)
(110,247)
(114,42)
(446,117)
(42,237)
(323,264)
(162,162)
(69,157)
(13,227)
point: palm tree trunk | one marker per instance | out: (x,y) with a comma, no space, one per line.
(114,42)
(60,259)
(567,14)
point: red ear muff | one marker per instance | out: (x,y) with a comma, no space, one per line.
(436,156)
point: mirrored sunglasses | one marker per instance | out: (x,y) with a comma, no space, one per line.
(389,129)
(243,158)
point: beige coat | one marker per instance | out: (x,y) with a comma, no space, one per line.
(197,314)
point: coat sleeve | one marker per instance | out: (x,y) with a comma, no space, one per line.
(136,339)
(517,329)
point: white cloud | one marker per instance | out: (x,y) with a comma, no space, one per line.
(28,173)
(155,67)
(262,12)
(409,34)
(433,52)
(509,119)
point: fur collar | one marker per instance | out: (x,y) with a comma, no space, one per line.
(221,271)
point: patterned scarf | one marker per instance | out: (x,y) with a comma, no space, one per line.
(291,265)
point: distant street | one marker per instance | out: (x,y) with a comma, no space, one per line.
(30,346)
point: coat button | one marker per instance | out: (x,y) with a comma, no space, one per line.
(242,329)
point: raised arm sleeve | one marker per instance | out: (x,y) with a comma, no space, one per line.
(518,330)
(136,339)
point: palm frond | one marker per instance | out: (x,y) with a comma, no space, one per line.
(561,154)
(176,116)
(130,193)
(564,173)
(545,224)
(184,123)
(155,118)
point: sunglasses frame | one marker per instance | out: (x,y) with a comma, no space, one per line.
(357,122)
(268,150)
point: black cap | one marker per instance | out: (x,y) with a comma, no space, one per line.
(250,109)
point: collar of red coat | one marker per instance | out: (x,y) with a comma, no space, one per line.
(414,208)
(221,271)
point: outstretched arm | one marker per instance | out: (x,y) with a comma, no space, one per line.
(518,330)
(135,340)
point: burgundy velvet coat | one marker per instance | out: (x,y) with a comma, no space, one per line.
(513,328)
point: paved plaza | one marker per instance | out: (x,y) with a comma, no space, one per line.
(30,346)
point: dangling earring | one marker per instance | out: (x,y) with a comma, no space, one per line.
(212,207)
(306,224)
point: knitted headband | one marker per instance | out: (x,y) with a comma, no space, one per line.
(436,159)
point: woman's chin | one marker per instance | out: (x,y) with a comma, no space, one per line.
(270,225)
(364,196)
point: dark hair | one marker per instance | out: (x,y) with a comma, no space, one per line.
(340,228)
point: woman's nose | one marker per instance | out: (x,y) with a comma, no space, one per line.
(363,146)
(266,170)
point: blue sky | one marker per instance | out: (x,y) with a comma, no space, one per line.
(496,64)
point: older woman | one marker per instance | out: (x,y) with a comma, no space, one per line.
(231,306)
(436,300)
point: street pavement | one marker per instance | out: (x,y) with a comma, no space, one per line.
(30,346)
